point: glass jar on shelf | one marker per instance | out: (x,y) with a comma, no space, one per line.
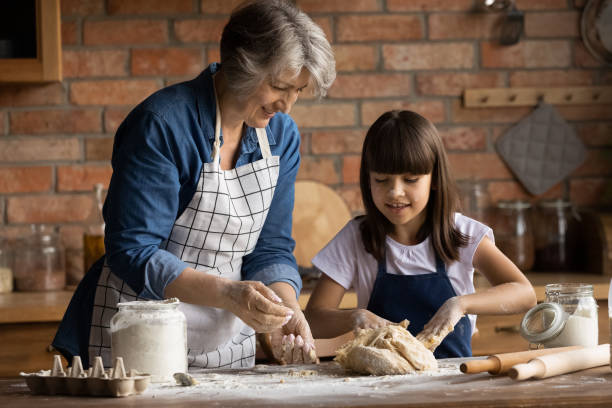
(93,237)
(513,232)
(6,266)
(568,317)
(556,236)
(40,261)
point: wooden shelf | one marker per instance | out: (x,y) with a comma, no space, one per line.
(498,97)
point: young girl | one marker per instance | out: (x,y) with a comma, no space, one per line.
(411,256)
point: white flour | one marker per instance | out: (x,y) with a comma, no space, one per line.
(286,383)
(581,329)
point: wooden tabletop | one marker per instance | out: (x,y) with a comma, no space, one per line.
(269,387)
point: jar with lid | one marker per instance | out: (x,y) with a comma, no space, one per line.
(6,269)
(93,238)
(556,236)
(568,317)
(513,232)
(151,336)
(40,261)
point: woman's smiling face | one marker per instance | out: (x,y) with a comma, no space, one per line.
(274,95)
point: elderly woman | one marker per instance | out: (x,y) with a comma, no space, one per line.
(199,205)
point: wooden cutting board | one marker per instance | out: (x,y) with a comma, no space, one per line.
(319,213)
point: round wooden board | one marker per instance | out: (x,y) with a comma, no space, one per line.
(319,213)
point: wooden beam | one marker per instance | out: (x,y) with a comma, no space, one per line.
(496,97)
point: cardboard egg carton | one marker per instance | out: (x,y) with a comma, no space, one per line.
(95,381)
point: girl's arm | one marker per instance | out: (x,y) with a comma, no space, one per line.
(511,291)
(327,320)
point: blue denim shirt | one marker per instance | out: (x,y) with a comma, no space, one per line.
(157,157)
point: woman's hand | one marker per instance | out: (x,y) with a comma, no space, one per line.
(293,343)
(442,323)
(364,319)
(256,305)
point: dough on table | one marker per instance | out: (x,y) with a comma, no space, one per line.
(386,350)
(432,342)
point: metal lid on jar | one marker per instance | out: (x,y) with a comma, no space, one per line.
(513,204)
(558,203)
(543,322)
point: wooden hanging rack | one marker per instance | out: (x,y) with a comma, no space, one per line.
(493,97)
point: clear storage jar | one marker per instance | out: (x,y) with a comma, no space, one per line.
(6,267)
(40,261)
(568,317)
(513,232)
(151,336)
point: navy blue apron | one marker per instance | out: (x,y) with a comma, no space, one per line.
(417,298)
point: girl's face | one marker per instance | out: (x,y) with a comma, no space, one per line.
(274,95)
(401,198)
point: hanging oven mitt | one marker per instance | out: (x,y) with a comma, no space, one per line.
(542,149)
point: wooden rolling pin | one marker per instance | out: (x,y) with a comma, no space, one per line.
(501,363)
(562,363)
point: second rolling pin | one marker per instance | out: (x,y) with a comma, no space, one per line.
(501,363)
(562,363)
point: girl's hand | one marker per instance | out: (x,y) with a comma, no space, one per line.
(256,305)
(442,323)
(364,319)
(293,343)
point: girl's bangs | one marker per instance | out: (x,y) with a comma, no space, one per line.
(399,149)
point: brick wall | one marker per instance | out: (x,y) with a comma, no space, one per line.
(56,139)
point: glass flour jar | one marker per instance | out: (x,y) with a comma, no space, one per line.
(151,336)
(568,317)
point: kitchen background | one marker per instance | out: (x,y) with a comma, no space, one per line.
(56,138)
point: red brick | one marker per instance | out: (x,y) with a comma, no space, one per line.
(472,25)
(461,114)
(56,121)
(429,56)
(343,6)
(25,179)
(113,118)
(13,232)
(125,32)
(69,33)
(82,177)
(478,166)
(31,95)
(371,86)
(432,110)
(352,196)
(213,54)
(553,24)
(305,143)
(526,54)
(598,163)
(337,141)
(201,30)
(583,58)
(551,78)
(513,190)
(454,84)
(94,63)
(48,208)
(39,148)
(149,6)
(324,115)
(355,57)
(219,6)
(596,192)
(580,3)
(430,5)
(541,4)
(111,92)
(585,112)
(98,148)
(595,134)
(167,61)
(325,23)
(81,7)
(319,169)
(379,28)
(350,169)
(464,138)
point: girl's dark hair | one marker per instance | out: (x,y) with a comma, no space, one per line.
(405,142)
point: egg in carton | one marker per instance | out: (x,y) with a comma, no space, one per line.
(96,381)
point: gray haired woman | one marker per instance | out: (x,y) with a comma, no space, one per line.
(199,205)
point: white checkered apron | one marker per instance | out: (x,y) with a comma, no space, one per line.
(220,225)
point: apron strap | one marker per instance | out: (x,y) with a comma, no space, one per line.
(262,138)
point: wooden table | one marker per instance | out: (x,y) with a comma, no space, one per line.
(274,386)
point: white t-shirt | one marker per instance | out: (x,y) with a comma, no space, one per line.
(345,260)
